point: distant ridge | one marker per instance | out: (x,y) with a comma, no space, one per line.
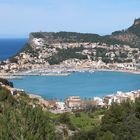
(131,36)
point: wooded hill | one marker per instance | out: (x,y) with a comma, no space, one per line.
(130,36)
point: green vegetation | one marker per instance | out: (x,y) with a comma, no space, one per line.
(64,54)
(101,53)
(13,60)
(118,32)
(120,122)
(31,123)
(19,120)
(123,121)
(38,35)
(86,121)
(85,37)
(77,37)
(26,48)
(6,82)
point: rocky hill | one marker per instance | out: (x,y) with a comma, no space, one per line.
(61,46)
(130,36)
(71,37)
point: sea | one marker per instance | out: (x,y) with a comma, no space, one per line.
(9,47)
(84,84)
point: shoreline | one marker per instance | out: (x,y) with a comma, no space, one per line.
(60,72)
(100,100)
(41,98)
(123,71)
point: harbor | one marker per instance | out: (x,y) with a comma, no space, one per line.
(84,84)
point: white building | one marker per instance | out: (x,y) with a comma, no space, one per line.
(73,102)
(98,101)
(109,99)
(60,106)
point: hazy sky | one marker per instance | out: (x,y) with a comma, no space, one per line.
(20,17)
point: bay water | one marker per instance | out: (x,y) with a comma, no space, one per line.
(85,85)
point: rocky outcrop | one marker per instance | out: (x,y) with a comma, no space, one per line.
(130,36)
(137,22)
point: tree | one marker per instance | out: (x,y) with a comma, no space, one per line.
(107,136)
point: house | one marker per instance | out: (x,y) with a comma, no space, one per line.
(99,102)
(52,103)
(136,94)
(43,102)
(109,99)
(73,102)
(120,97)
(60,106)
(131,96)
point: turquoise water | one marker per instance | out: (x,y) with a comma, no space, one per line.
(85,85)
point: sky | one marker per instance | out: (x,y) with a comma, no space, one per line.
(20,17)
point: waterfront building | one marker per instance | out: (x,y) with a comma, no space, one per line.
(73,102)
(120,97)
(131,96)
(60,106)
(136,94)
(98,102)
(108,100)
(52,104)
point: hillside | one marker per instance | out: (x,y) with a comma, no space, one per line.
(130,36)
(72,37)
(120,122)
(20,120)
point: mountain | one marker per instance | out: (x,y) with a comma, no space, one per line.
(64,45)
(72,37)
(130,36)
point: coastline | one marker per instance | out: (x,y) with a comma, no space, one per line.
(21,76)
(60,72)
(44,100)
(123,71)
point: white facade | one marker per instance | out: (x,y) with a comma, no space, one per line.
(60,105)
(73,102)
